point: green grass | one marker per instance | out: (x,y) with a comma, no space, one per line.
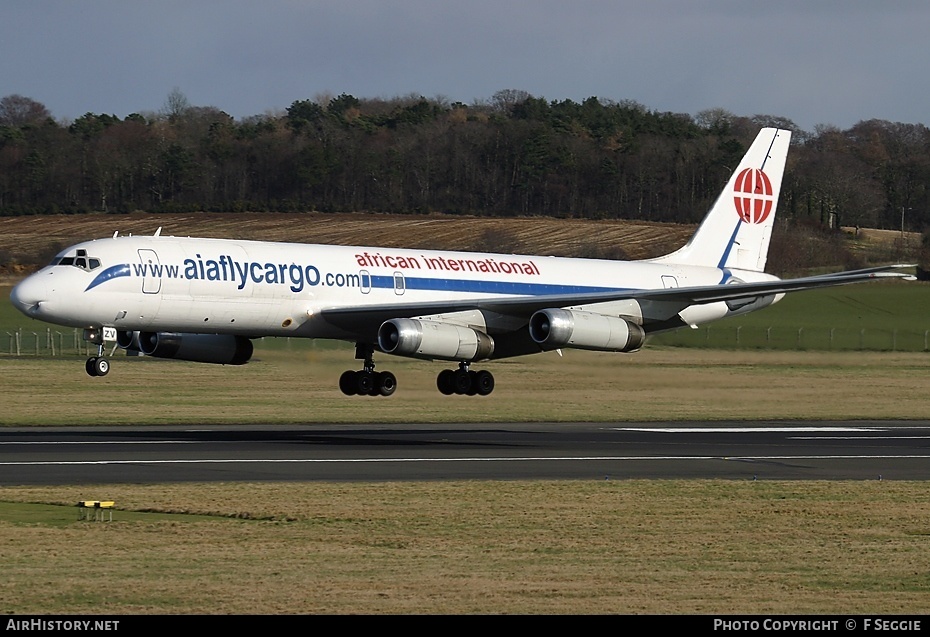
(66,516)
(885,316)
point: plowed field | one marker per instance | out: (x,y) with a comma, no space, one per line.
(25,237)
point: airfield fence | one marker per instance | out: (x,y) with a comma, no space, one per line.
(51,342)
(46,342)
(797,338)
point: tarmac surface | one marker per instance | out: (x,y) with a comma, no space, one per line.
(776,450)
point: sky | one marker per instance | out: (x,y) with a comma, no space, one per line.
(814,62)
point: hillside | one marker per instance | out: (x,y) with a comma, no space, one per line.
(28,241)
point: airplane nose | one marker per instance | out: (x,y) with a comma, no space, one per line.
(28,295)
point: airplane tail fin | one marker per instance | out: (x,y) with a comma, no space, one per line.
(736,232)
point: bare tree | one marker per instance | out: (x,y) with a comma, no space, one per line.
(18,111)
(716,119)
(504,100)
(176,104)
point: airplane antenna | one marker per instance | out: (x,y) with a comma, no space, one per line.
(115,234)
(157,232)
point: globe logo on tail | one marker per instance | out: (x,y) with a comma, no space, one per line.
(752,193)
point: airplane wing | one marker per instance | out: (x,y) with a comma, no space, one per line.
(738,291)
(368,318)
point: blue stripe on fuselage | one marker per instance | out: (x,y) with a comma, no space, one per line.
(487,287)
(113,272)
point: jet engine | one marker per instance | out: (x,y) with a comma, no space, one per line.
(129,341)
(555,328)
(432,340)
(222,349)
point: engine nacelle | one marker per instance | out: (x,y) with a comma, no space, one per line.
(128,340)
(433,340)
(555,328)
(222,349)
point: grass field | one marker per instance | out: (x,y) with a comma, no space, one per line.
(887,316)
(301,388)
(576,547)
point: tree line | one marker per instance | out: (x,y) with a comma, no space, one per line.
(513,154)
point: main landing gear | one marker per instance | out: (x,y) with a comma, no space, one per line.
(367,382)
(465,381)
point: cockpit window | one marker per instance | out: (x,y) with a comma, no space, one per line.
(81,261)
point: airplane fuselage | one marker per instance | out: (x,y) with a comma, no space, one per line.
(254,289)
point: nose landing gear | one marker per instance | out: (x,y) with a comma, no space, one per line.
(98,365)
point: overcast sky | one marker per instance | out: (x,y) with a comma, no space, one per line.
(814,62)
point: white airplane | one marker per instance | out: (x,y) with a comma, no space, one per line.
(204,299)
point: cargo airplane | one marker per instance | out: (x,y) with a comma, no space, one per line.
(204,300)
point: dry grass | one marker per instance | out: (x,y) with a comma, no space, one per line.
(301,387)
(652,547)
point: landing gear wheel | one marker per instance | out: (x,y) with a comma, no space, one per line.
(473,383)
(483,382)
(462,381)
(101,366)
(97,366)
(387,383)
(445,381)
(348,383)
(366,383)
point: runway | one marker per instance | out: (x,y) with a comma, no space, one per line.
(860,450)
